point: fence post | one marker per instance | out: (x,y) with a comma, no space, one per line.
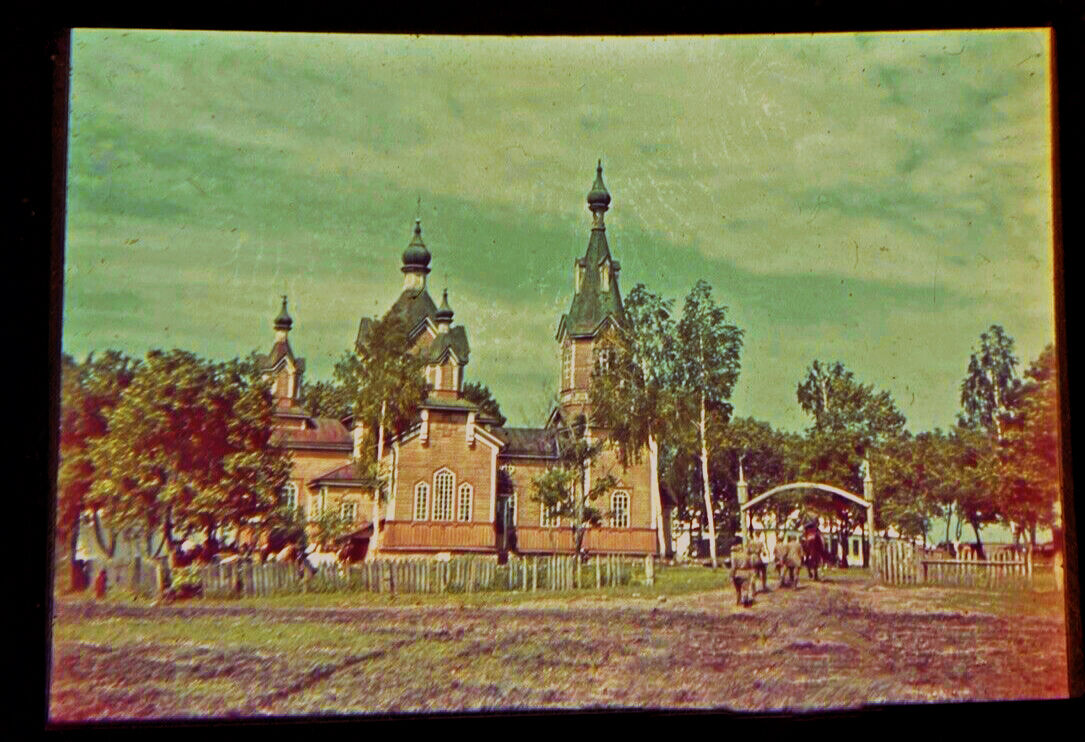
(649,570)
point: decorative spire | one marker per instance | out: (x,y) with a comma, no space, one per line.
(283,322)
(598,197)
(444,311)
(416,257)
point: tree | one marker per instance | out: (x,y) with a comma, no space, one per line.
(563,490)
(632,394)
(851,421)
(188,449)
(479,393)
(88,391)
(325,399)
(768,458)
(976,472)
(991,380)
(708,351)
(386,387)
(1029,485)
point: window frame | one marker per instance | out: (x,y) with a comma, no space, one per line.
(448,510)
(343,505)
(614,497)
(421,488)
(469,501)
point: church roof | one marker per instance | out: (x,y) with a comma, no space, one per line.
(455,340)
(322,432)
(343,475)
(443,403)
(535,442)
(592,305)
(279,350)
(413,307)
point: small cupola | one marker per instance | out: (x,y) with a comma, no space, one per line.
(598,197)
(283,322)
(444,314)
(416,257)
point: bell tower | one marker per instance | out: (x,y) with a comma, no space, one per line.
(595,308)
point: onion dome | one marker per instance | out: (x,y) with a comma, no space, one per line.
(416,257)
(283,321)
(598,198)
(444,312)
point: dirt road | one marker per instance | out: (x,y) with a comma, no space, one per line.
(826,645)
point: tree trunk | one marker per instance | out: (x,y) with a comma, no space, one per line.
(657,498)
(374,546)
(707,486)
(107,550)
(979,543)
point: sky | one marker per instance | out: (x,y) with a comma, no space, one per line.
(877,199)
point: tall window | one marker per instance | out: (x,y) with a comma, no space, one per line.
(510,507)
(567,365)
(602,360)
(348,511)
(421,501)
(463,509)
(548,518)
(289,495)
(443,483)
(619,507)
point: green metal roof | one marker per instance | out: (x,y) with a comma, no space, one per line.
(591,305)
(455,340)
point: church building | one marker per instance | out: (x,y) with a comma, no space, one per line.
(459,482)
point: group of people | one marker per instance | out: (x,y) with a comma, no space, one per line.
(749,562)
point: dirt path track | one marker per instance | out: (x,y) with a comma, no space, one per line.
(824,645)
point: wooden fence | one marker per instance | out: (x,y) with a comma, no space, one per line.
(903,563)
(457,575)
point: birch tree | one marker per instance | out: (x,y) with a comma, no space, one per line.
(632,393)
(386,387)
(708,362)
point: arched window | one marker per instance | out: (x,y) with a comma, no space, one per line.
(289,496)
(463,509)
(567,364)
(444,483)
(421,501)
(619,508)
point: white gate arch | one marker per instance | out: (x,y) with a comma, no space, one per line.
(866,502)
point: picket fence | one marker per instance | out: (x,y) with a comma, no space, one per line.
(456,575)
(903,563)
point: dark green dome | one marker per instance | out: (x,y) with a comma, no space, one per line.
(598,197)
(416,256)
(444,311)
(283,321)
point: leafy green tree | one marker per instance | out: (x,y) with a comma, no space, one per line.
(989,383)
(707,352)
(325,399)
(387,386)
(1029,485)
(632,394)
(480,394)
(330,527)
(188,449)
(768,458)
(976,472)
(563,490)
(851,422)
(88,391)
